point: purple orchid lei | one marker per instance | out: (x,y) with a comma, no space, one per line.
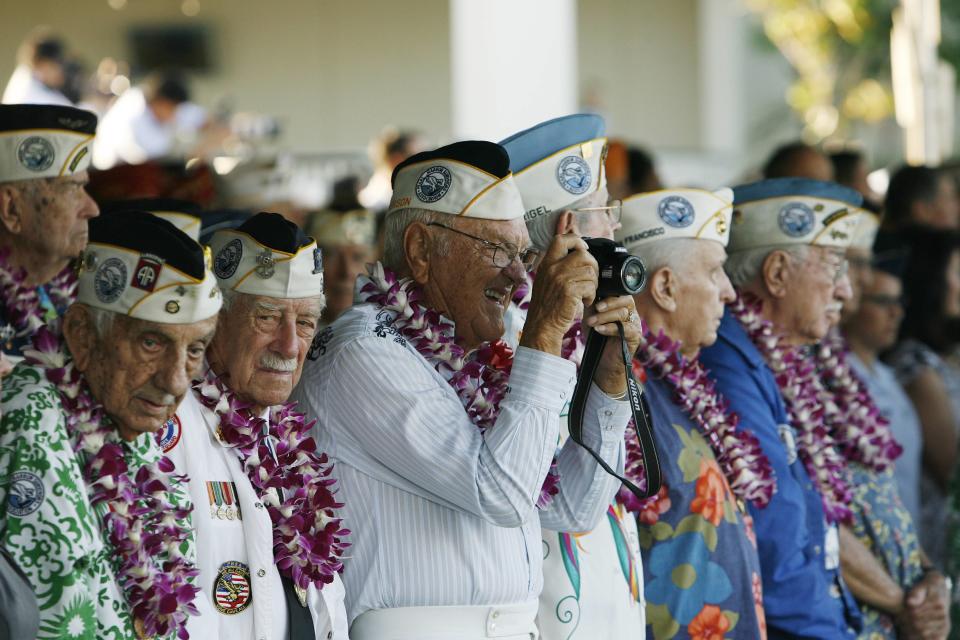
(803,392)
(142,525)
(738,452)
(863,434)
(479,378)
(22,303)
(292,480)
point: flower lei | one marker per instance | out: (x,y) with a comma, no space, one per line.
(803,393)
(141,523)
(281,459)
(738,452)
(479,378)
(24,311)
(863,434)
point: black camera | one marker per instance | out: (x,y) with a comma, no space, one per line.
(621,274)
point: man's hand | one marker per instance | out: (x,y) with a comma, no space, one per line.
(566,283)
(610,375)
(926,610)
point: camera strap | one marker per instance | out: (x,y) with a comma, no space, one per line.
(638,406)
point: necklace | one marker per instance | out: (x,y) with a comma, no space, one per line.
(24,307)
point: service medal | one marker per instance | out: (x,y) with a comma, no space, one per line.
(223,500)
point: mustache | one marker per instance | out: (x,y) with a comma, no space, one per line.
(835,307)
(276,362)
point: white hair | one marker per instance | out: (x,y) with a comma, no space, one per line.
(543,228)
(671,253)
(395,226)
(744,267)
(101,319)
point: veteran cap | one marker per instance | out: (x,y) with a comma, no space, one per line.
(268,256)
(44,141)
(784,211)
(866,232)
(676,213)
(338,228)
(558,162)
(141,266)
(182,214)
(470,179)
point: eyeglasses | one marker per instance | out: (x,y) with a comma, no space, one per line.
(613,211)
(504,253)
(838,268)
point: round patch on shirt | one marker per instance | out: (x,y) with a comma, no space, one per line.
(796,219)
(228,259)
(110,280)
(789,442)
(36,153)
(26,493)
(573,174)
(169,434)
(433,184)
(676,211)
(231,588)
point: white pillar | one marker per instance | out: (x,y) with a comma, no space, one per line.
(722,34)
(513,64)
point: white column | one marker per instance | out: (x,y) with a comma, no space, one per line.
(720,25)
(513,64)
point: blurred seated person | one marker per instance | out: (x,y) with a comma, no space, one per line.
(630,170)
(850,169)
(798,160)
(931,281)
(388,150)
(346,240)
(40,74)
(146,122)
(182,214)
(923,197)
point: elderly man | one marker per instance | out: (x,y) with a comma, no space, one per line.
(444,439)
(786,260)
(91,510)
(591,584)
(255,477)
(701,569)
(44,210)
(347,239)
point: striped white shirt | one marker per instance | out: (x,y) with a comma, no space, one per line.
(440,513)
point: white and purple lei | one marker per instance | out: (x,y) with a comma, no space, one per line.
(479,378)
(22,303)
(804,394)
(141,523)
(292,480)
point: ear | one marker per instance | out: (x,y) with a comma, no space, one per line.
(776,273)
(417,245)
(663,288)
(10,209)
(567,223)
(80,335)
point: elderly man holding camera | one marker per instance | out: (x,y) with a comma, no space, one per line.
(443,439)
(592,578)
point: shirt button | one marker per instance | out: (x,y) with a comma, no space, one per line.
(493,626)
(496,614)
(817,549)
(261,572)
(258,505)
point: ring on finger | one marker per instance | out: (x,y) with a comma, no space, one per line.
(631,317)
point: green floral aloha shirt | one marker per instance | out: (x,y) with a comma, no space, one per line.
(46,520)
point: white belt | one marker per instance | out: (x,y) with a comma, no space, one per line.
(508,622)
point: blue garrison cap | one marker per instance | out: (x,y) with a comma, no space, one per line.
(783,211)
(558,162)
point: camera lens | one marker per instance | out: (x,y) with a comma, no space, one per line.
(633,275)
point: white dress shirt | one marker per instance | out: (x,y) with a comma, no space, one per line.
(24,88)
(237,532)
(441,514)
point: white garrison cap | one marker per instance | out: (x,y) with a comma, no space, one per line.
(44,141)
(558,162)
(676,213)
(866,231)
(784,211)
(268,256)
(470,179)
(141,266)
